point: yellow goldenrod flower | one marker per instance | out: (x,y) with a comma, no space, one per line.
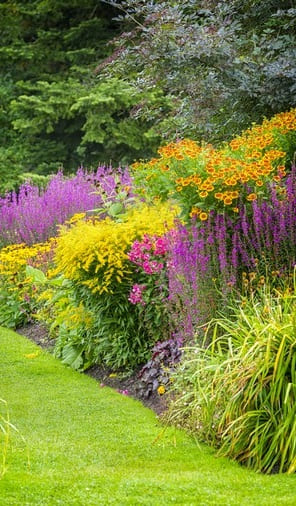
(94,254)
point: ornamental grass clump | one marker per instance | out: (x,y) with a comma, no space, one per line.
(239,394)
(203,178)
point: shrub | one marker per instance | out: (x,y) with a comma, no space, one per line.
(219,65)
(92,256)
(240,392)
(94,253)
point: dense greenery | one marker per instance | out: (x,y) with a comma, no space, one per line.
(198,68)
(221,65)
(129,281)
(53,110)
(238,394)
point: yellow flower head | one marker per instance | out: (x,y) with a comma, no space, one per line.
(161,390)
(251,197)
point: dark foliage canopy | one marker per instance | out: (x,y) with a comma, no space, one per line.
(221,65)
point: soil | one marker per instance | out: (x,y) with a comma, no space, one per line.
(123,383)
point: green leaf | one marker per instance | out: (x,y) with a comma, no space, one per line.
(36,274)
(71,355)
(115,209)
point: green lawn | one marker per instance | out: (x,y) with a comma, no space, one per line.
(92,446)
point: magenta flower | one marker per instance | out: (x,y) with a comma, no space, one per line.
(136,294)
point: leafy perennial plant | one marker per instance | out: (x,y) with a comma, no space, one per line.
(92,259)
(20,211)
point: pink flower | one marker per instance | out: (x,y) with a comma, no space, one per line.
(135,296)
(160,246)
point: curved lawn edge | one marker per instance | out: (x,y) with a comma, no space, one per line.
(93,446)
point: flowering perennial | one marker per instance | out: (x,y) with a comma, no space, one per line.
(20,212)
(136,294)
(94,253)
(14,258)
(143,253)
(204,178)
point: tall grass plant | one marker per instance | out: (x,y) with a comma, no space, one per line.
(239,393)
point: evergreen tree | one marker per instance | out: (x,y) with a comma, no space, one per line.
(54,112)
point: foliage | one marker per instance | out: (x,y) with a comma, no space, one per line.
(89,313)
(202,178)
(240,391)
(195,278)
(156,375)
(150,292)
(58,201)
(118,337)
(67,319)
(53,111)
(90,329)
(187,275)
(76,124)
(222,65)
(18,291)
(212,262)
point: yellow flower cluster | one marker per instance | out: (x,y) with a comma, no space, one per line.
(94,253)
(204,178)
(15,257)
(16,286)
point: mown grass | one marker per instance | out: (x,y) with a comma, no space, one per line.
(93,446)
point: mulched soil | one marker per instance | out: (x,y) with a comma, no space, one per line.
(124,384)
